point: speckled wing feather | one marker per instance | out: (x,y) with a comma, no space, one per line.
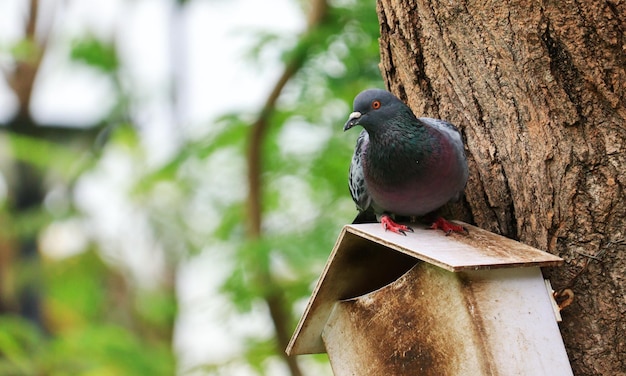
(356,181)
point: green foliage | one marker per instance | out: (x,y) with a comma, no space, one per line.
(25,50)
(258,351)
(95,53)
(305,195)
(19,340)
(98,321)
(44,155)
(157,309)
(74,287)
(85,336)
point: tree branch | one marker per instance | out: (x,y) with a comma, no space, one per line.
(22,79)
(258,131)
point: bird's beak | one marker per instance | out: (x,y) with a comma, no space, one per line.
(352,120)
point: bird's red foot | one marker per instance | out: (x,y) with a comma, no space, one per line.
(448,227)
(389,224)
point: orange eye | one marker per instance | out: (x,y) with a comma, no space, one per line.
(376,104)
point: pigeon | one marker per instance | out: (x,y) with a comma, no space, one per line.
(403,166)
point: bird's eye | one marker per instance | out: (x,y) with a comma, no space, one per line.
(376,104)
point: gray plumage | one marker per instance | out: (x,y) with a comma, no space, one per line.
(402,165)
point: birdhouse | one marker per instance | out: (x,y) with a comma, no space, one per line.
(430,304)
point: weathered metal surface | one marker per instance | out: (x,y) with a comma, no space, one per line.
(356,266)
(513,311)
(366,258)
(434,322)
(414,326)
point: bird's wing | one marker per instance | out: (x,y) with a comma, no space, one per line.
(356,181)
(448,129)
(455,138)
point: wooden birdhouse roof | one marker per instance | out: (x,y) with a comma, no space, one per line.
(366,258)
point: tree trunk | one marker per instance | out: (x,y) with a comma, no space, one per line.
(539,92)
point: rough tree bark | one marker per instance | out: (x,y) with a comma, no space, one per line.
(539,91)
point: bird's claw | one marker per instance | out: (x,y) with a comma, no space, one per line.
(390,225)
(448,227)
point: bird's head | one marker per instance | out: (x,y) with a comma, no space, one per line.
(373,107)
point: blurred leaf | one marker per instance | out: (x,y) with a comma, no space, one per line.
(258,352)
(82,309)
(242,285)
(230,223)
(109,350)
(236,288)
(157,308)
(232,132)
(46,155)
(19,340)
(264,40)
(126,135)
(25,224)
(25,50)
(95,53)
(75,291)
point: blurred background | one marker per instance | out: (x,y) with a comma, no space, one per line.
(173,176)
